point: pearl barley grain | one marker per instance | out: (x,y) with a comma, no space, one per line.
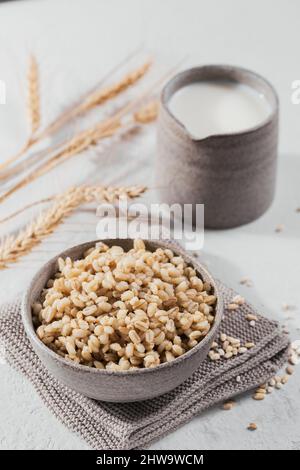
(232,306)
(251,317)
(120,310)
(252,426)
(289,370)
(238,299)
(259,396)
(228,405)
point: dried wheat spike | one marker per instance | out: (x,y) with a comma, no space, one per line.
(14,247)
(147,113)
(90,100)
(82,141)
(33,95)
(99,97)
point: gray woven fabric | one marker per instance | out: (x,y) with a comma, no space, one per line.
(135,425)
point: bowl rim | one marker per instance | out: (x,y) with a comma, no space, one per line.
(33,337)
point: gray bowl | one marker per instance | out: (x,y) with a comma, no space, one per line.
(108,385)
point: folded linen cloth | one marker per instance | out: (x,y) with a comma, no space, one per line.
(135,425)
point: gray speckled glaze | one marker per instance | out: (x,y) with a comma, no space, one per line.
(116,386)
(233,175)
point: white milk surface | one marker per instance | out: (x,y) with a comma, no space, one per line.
(218,107)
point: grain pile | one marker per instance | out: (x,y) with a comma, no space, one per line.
(120,311)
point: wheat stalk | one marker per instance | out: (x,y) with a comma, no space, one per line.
(30,161)
(110,92)
(95,98)
(83,141)
(66,113)
(24,208)
(142,116)
(72,149)
(14,247)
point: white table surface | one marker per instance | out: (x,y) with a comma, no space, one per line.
(76,42)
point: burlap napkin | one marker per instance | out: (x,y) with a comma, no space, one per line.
(135,425)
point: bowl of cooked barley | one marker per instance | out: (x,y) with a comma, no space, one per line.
(122,320)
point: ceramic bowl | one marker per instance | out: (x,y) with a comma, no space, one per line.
(232,174)
(109,385)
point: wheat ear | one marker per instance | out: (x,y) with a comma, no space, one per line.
(33,107)
(82,142)
(97,98)
(147,113)
(14,247)
(112,91)
(33,95)
(102,96)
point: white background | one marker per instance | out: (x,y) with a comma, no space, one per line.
(76,43)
